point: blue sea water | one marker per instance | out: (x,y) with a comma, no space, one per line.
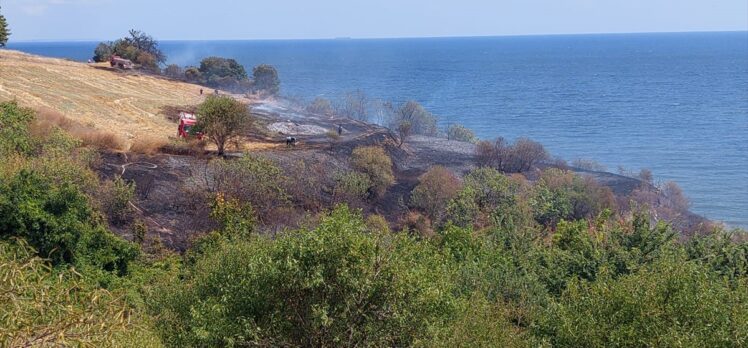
(674,103)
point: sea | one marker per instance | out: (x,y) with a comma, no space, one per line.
(675,103)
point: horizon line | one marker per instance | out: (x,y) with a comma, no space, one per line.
(399,37)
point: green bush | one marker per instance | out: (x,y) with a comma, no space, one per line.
(351,187)
(42,306)
(14,128)
(251,179)
(435,189)
(461,133)
(336,285)
(117,196)
(489,197)
(563,195)
(374,162)
(670,303)
(57,219)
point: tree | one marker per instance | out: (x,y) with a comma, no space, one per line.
(102,52)
(421,120)
(374,162)
(139,47)
(4,31)
(145,43)
(218,67)
(266,79)
(510,158)
(221,119)
(403,131)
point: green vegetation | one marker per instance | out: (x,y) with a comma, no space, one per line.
(220,72)
(222,119)
(486,260)
(377,165)
(266,79)
(4,31)
(421,121)
(138,47)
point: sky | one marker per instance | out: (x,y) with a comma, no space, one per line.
(62,20)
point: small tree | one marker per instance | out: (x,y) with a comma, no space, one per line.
(4,31)
(102,53)
(222,119)
(374,162)
(266,79)
(403,130)
(421,120)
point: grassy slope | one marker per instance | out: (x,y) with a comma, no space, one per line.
(125,103)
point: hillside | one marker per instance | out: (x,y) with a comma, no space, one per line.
(122,102)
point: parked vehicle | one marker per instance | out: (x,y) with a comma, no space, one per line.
(120,62)
(186,122)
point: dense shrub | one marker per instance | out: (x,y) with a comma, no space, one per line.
(117,195)
(14,128)
(351,188)
(563,195)
(50,307)
(374,162)
(519,157)
(58,220)
(435,189)
(489,197)
(336,285)
(670,303)
(221,72)
(173,71)
(252,179)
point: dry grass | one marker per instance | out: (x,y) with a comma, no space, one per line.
(128,105)
(148,145)
(47,119)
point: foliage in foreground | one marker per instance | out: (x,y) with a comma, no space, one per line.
(335,285)
(43,306)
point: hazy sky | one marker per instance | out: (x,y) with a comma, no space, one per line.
(297,19)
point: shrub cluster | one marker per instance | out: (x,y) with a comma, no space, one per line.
(510,158)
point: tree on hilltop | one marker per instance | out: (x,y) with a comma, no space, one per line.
(139,47)
(4,31)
